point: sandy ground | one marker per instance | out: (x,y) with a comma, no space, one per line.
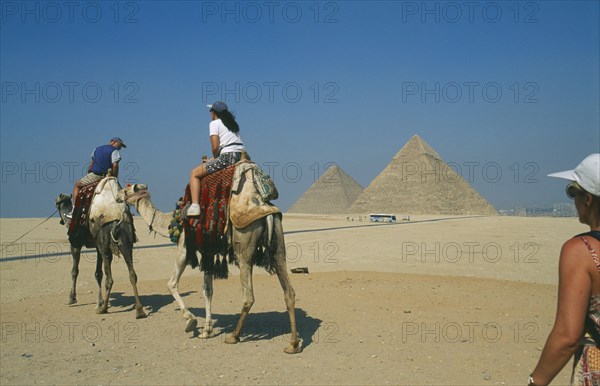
(438,300)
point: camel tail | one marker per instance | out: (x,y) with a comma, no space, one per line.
(266,252)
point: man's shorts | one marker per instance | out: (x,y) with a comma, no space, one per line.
(90,178)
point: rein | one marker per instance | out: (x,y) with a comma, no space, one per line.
(26,233)
(137,207)
(150,228)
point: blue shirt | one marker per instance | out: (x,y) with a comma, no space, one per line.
(104,156)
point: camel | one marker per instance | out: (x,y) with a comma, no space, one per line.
(111,231)
(245,242)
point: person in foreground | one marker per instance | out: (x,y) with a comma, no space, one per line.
(104,158)
(226,145)
(576,329)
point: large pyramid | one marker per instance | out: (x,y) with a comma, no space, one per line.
(418,181)
(333,193)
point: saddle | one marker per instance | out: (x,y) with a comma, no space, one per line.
(107,205)
(78,232)
(228,195)
(95,205)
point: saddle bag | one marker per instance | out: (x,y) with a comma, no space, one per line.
(264,185)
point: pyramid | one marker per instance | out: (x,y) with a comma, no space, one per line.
(418,181)
(333,193)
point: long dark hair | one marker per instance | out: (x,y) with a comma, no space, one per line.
(228,120)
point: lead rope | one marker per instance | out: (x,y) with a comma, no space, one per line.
(150,228)
(26,233)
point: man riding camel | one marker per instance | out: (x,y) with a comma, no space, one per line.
(104,158)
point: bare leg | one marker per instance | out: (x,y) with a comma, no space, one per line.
(195,176)
(76,189)
(208,293)
(76,253)
(173,286)
(248,294)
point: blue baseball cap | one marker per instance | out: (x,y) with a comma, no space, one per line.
(118,139)
(218,106)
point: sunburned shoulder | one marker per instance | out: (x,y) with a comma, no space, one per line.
(577,247)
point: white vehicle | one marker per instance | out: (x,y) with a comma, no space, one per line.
(382,217)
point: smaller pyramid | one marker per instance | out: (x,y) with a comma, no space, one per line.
(333,193)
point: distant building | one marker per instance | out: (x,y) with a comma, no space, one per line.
(562,209)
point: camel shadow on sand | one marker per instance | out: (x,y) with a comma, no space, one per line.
(259,326)
(119,302)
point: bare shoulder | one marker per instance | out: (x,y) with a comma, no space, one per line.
(573,250)
(573,246)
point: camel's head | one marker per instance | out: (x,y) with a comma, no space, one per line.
(132,193)
(64,205)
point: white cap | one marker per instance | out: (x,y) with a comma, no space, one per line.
(586,174)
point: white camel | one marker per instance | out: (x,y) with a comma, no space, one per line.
(111,231)
(245,242)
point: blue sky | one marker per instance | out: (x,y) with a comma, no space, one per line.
(506,92)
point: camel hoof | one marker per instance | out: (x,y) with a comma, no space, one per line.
(140,315)
(102,310)
(72,301)
(206,334)
(232,339)
(191,325)
(293,350)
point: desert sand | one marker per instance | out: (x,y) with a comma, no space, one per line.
(437,300)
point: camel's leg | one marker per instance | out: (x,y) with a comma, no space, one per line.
(98,274)
(286,285)
(173,286)
(289,296)
(248,294)
(126,252)
(76,253)
(108,282)
(208,293)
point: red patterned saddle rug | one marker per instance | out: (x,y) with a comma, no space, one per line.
(206,233)
(78,227)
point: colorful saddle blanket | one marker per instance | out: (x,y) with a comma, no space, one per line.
(207,233)
(78,227)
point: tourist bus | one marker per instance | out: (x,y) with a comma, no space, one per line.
(378,217)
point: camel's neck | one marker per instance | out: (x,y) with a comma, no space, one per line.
(159,221)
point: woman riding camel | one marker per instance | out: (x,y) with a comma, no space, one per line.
(226,145)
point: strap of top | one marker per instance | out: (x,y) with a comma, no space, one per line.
(592,251)
(231,144)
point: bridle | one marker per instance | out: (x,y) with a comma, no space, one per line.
(139,196)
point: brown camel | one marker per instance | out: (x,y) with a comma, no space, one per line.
(245,244)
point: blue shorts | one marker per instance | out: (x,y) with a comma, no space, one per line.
(223,161)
